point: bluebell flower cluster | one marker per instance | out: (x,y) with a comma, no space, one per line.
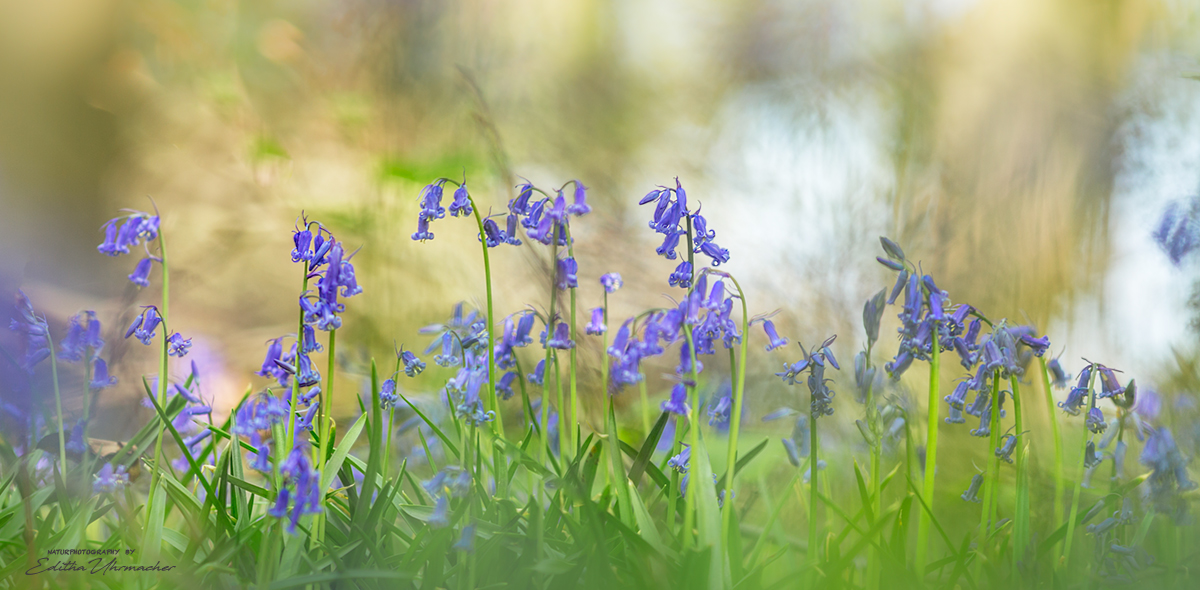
(1169,477)
(144,325)
(706,314)
(929,319)
(254,420)
(464,338)
(542,219)
(126,232)
(813,362)
(326,258)
(450,482)
(674,221)
(301,491)
(109,479)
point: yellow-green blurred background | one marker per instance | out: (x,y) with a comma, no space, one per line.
(1022,150)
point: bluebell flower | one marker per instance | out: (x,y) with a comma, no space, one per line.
(177,345)
(1039,345)
(510,232)
(958,398)
(1008,444)
(269,368)
(1169,476)
(412,365)
(611,282)
(144,325)
(682,461)
(504,385)
(1109,386)
(110,479)
(461,205)
(259,413)
(1058,376)
(305,421)
(322,243)
(558,210)
(466,541)
(773,336)
(700,228)
(141,273)
(670,243)
(562,337)
(100,377)
(422,232)
(718,254)
(972,493)
(1078,397)
(83,333)
(1091,457)
(431,200)
(302,239)
(280,508)
(956,416)
(1095,421)
(309,341)
(678,402)
(721,405)
(682,277)
(533,215)
(448,357)
(520,205)
(538,374)
(580,206)
(566,276)
(492,235)
(985,422)
(596,326)
(262,457)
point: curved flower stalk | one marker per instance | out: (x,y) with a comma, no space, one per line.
(812,362)
(121,234)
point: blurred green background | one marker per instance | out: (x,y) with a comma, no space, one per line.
(1021,149)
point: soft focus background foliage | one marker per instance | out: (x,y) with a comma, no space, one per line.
(1021,149)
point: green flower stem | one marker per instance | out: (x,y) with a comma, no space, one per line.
(645,399)
(689,516)
(1021,513)
(558,402)
(930,461)
(545,412)
(1058,446)
(814,552)
(324,425)
(735,418)
(991,468)
(162,382)
(673,489)
(62,443)
(875,562)
(492,402)
(1079,481)
(571,361)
